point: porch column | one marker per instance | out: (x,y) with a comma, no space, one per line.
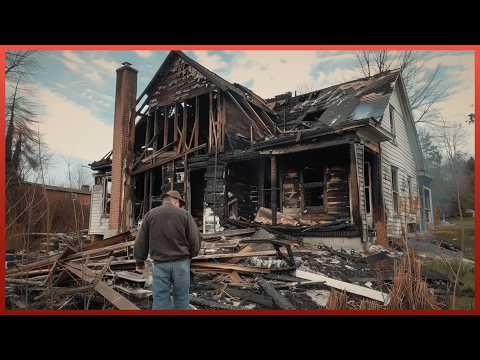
(273,187)
(357,188)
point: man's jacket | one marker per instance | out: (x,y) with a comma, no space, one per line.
(169,233)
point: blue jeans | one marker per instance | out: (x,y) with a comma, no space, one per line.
(171,277)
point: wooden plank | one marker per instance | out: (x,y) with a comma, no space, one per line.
(260,120)
(101,250)
(102,288)
(155,129)
(344,286)
(278,299)
(236,255)
(245,250)
(252,122)
(235,277)
(184,127)
(239,268)
(197,120)
(165,161)
(229,233)
(175,124)
(165,126)
(299,148)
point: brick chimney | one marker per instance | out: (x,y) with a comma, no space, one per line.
(125,98)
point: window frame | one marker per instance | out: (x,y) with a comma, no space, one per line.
(311,185)
(410,194)
(391,116)
(106,201)
(395,190)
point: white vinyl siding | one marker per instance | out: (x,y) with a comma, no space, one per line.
(399,154)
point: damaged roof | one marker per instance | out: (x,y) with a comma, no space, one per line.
(236,89)
(336,106)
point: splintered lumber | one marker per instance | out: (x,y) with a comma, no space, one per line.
(212,304)
(105,249)
(239,268)
(236,255)
(24,282)
(101,287)
(30,273)
(235,277)
(245,250)
(344,286)
(139,293)
(278,299)
(251,297)
(60,291)
(108,241)
(228,233)
(24,269)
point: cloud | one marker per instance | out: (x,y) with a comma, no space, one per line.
(93,68)
(94,76)
(71,129)
(211,61)
(276,72)
(73,57)
(73,66)
(144,53)
(106,65)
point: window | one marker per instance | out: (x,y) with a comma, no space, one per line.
(107,195)
(410,195)
(395,190)
(392,120)
(427,204)
(367,171)
(313,188)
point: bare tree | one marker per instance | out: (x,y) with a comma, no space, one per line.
(425,89)
(20,64)
(453,136)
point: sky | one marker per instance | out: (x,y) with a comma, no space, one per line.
(76,89)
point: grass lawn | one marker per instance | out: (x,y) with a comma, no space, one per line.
(452,234)
(465,293)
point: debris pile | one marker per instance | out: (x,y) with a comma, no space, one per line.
(246,268)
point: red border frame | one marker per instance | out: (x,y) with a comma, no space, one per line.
(4,48)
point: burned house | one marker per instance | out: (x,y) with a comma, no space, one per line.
(341,164)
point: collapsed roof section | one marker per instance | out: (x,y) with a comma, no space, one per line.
(336,106)
(177,61)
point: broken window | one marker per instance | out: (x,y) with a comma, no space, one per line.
(314,188)
(107,195)
(395,190)
(291,190)
(392,120)
(410,195)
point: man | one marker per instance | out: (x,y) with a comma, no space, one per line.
(172,237)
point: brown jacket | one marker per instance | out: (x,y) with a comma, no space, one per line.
(169,233)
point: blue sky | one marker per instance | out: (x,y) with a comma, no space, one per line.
(76,89)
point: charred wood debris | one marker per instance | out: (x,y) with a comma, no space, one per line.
(248,266)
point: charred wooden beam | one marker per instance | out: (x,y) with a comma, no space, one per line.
(165,126)
(354,191)
(278,299)
(144,168)
(273,187)
(252,122)
(197,121)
